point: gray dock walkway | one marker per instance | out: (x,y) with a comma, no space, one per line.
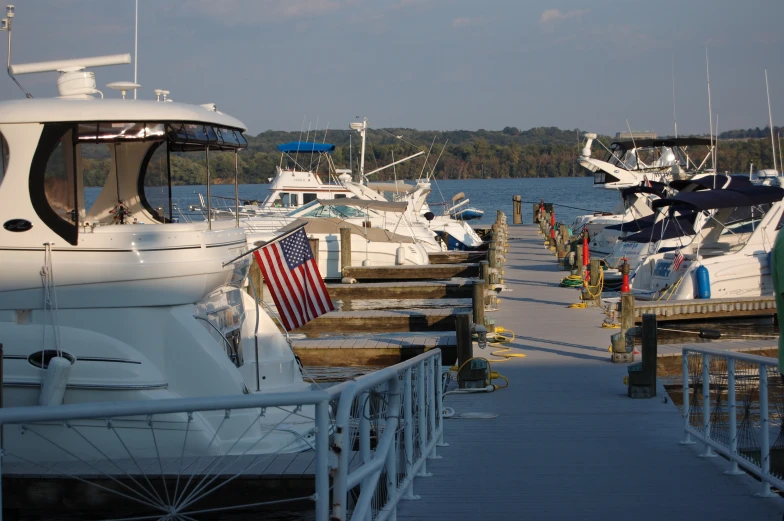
(567,443)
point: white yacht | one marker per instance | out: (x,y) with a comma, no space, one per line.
(295,185)
(139,307)
(629,163)
(729,255)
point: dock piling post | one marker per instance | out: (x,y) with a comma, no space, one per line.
(595,268)
(627,322)
(345,248)
(465,348)
(314,247)
(517,210)
(642,377)
(478,302)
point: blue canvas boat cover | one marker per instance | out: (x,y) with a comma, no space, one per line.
(670,228)
(306,146)
(728,198)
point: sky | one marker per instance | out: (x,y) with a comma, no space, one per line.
(429,64)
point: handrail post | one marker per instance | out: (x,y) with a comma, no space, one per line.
(391,472)
(364,432)
(422,438)
(440,401)
(706,412)
(732,406)
(686,390)
(408,433)
(431,410)
(764,433)
(322,461)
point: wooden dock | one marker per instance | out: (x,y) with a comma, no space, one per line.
(568,445)
(723,308)
(409,272)
(453,288)
(375,350)
(395,320)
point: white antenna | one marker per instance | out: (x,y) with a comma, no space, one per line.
(135,48)
(674,119)
(781,160)
(770,117)
(636,156)
(716,148)
(710,109)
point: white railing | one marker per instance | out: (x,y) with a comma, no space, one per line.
(169,457)
(394,418)
(727,400)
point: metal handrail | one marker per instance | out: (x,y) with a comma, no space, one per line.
(401,386)
(710,417)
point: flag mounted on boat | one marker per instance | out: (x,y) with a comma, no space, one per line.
(293,278)
(647,182)
(676,262)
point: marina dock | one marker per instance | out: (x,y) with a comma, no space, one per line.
(568,444)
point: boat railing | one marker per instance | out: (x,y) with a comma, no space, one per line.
(734,404)
(175,457)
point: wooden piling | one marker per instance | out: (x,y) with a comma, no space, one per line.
(345,248)
(517,210)
(478,301)
(595,270)
(642,377)
(484,271)
(465,348)
(254,274)
(314,247)
(627,311)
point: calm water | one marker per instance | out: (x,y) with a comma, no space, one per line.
(487,194)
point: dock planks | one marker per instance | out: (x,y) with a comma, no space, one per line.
(568,444)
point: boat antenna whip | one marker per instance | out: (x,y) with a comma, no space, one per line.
(5,25)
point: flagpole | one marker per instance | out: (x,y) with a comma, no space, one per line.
(265,243)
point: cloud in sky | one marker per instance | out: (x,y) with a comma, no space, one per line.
(556,15)
(259,11)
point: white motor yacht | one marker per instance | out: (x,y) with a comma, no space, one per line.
(141,307)
(729,257)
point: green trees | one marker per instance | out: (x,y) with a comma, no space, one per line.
(508,153)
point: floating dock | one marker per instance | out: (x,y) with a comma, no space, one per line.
(568,444)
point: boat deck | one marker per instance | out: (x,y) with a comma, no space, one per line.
(568,444)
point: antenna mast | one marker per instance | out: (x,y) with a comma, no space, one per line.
(710,110)
(674,119)
(136,47)
(770,118)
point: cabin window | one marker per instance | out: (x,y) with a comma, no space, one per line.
(340,196)
(289,200)
(155,183)
(3,155)
(307,198)
(53,183)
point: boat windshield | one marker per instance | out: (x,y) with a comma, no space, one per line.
(133,163)
(342,212)
(645,158)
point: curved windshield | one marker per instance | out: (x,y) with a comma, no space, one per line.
(342,212)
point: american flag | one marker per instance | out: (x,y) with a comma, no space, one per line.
(293,278)
(646,181)
(676,262)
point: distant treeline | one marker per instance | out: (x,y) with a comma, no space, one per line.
(460,154)
(751,133)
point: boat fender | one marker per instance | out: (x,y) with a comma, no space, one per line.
(703,282)
(400,256)
(54,381)
(349,280)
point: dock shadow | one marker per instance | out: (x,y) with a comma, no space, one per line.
(556,351)
(537,301)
